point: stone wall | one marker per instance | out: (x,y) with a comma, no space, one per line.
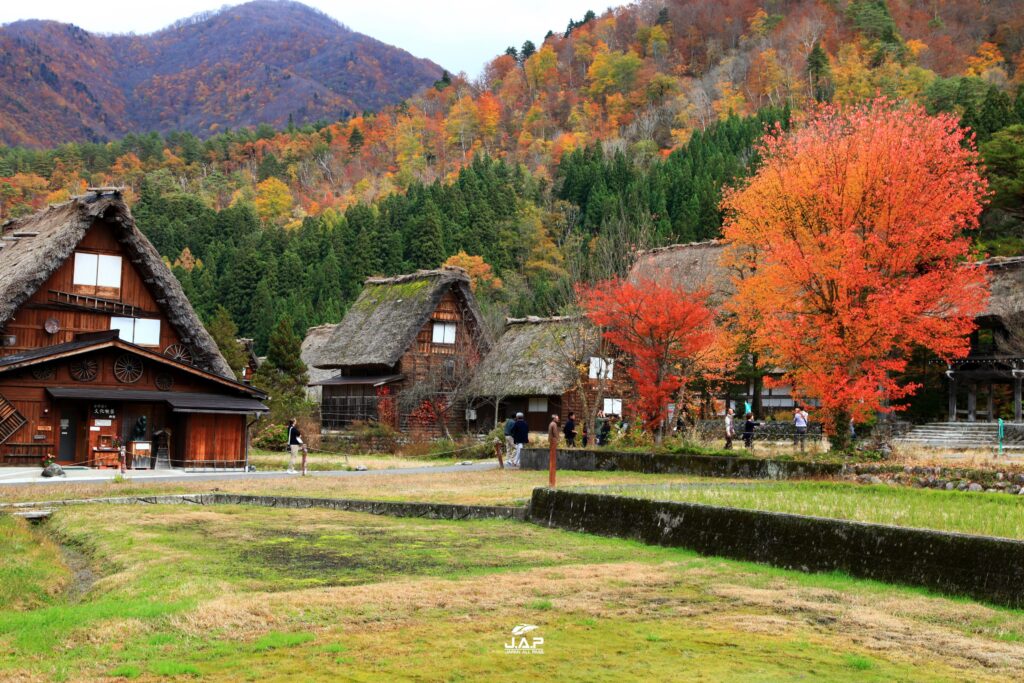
(984,568)
(373,507)
(699,465)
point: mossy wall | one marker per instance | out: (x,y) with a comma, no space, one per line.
(981,567)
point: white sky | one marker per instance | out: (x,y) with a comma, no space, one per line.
(460,35)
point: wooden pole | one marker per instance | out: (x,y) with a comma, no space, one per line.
(552,462)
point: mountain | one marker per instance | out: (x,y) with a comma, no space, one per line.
(267,61)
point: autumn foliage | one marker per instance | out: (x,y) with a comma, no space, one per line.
(660,328)
(857,228)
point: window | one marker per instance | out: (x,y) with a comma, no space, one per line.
(97,270)
(444,333)
(538,405)
(613,406)
(601,368)
(141,331)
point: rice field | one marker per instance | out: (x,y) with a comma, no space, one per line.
(989,514)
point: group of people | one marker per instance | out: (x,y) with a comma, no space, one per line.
(801,418)
(517,433)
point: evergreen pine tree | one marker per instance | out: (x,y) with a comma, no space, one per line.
(225,333)
(283,375)
(818,71)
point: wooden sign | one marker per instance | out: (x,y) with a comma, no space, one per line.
(103,411)
(45,428)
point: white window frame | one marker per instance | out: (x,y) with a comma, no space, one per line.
(444,332)
(97,270)
(602,366)
(145,330)
(537,404)
(613,406)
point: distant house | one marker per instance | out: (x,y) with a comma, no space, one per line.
(100,347)
(252,361)
(535,368)
(312,346)
(401,334)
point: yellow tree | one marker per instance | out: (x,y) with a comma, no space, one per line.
(273,201)
(481,275)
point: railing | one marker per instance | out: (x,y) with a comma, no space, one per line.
(25,453)
(93,303)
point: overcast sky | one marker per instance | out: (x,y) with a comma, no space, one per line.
(460,35)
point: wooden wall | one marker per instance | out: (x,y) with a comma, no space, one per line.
(27,324)
(214,438)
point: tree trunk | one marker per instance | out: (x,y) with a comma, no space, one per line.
(839,439)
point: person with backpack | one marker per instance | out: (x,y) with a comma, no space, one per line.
(510,445)
(520,437)
(800,418)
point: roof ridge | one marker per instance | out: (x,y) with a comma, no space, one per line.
(679,247)
(535,320)
(453,272)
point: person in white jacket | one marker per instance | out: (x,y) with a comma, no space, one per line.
(730,429)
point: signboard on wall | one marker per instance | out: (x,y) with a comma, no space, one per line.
(103,411)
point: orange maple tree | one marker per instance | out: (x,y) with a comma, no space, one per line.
(859,218)
(660,328)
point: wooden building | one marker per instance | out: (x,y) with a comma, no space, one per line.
(539,366)
(412,335)
(100,348)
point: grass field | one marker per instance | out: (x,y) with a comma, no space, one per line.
(989,514)
(237,593)
(265,461)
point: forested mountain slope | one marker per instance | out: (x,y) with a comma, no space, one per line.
(261,62)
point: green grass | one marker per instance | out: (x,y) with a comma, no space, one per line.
(988,514)
(32,571)
(238,593)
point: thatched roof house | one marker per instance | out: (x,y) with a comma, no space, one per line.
(33,248)
(383,322)
(529,359)
(1006,279)
(312,346)
(693,266)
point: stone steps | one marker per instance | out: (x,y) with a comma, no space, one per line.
(979,435)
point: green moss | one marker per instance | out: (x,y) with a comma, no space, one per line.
(375,295)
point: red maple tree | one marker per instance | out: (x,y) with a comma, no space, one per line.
(660,328)
(859,219)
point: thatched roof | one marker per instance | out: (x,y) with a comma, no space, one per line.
(383,322)
(692,266)
(1007,283)
(312,345)
(36,246)
(532,358)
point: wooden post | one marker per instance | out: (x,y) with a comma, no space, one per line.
(552,463)
(991,404)
(952,399)
(972,401)
(497,453)
(1016,398)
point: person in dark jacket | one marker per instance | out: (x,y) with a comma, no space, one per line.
(520,437)
(510,445)
(569,430)
(294,444)
(748,430)
(605,433)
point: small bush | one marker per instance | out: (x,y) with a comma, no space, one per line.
(272,438)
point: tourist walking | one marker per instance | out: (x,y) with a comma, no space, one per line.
(294,444)
(730,429)
(800,418)
(748,431)
(569,430)
(553,431)
(520,437)
(510,445)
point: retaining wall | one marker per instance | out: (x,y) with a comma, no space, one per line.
(701,465)
(981,567)
(374,507)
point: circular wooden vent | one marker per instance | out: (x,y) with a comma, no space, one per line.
(84,370)
(43,372)
(164,381)
(52,326)
(179,352)
(128,369)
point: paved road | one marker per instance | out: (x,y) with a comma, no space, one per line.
(22,476)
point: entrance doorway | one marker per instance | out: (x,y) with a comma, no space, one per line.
(70,437)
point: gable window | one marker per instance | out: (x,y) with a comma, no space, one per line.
(97,270)
(601,368)
(444,333)
(613,406)
(538,405)
(141,331)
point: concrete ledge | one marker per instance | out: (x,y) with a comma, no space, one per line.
(700,465)
(981,567)
(373,507)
